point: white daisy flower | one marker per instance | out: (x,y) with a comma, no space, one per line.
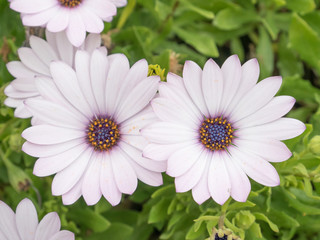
(24,224)
(35,61)
(75,17)
(218,126)
(90,127)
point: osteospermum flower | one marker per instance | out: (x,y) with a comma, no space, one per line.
(35,61)
(75,17)
(218,126)
(24,224)
(90,127)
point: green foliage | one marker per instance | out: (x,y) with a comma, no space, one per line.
(284,35)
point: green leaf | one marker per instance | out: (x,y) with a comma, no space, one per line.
(262,217)
(203,12)
(240,205)
(117,231)
(301,6)
(201,41)
(233,18)
(195,233)
(164,191)
(283,219)
(255,231)
(305,41)
(265,53)
(158,212)
(89,219)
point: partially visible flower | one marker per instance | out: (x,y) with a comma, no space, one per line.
(34,62)
(218,126)
(89,132)
(24,224)
(75,17)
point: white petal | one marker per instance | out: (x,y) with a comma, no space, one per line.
(63,235)
(192,80)
(66,80)
(135,140)
(18,69)
(218,178)
(148,177)
(31,6)
(36,150)
(46,134)
(231,70)
(98,72)
(132,77)
(126,178)
(48,226)
(255,167)
(115,81)
(91,189)
(26,219)
(65,48)
(147,163)
(181,98)
(108,184)
(92,42)
(7,222)
(256,98)
(24,84)
(92,22)
(249,77)
(139,97)
(175,80)
(269,149)
(60,21)
(169,111)
(66,179)
(103,9)
(82,66)
(134,124)
(32,61)
(181,161)
(50,165)
(190,178)
(74,194)
(200,192)
(41,18)
(240,184)
(161,152)
(119,3)
(43,50)
(212,87)
(166,133)
(281,129)
(76,30)
(275,109)
(54,114)
(13,93)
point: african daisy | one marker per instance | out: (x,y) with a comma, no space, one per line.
(35,61)
(89,132)
(219,125)
(75,17)
(24,224)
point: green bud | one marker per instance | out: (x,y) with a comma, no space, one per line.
(15,142)
(156,70)
(244,219)
(314,145)
(18,179)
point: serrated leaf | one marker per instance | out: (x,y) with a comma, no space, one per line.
(158,212)
(240,205)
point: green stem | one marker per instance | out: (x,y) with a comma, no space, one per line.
(224,208)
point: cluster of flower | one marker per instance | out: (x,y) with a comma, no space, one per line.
(100,125)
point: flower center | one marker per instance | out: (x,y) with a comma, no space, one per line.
(225,237)
(216,133)
(70,3)
(103,134)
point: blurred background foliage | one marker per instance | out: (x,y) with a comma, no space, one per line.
(284,35)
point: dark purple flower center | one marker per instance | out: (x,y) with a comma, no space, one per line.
(103,134)
(216,133)
(70,3)
(225,237)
